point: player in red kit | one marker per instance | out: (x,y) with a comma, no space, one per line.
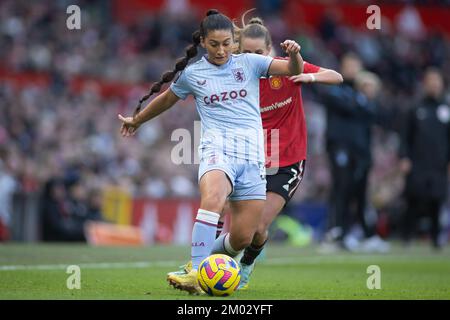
(284,121)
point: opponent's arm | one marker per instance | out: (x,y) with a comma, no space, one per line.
(323,76)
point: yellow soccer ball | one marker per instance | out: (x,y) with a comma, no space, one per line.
(219,275)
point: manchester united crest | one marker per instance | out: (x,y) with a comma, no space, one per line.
(275,82)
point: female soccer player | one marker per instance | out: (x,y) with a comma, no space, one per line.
(226,90)
(282,114)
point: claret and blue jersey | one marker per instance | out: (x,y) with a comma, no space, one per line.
(227,100)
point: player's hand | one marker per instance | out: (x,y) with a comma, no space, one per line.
(290,47)
(303,78)
(129,126)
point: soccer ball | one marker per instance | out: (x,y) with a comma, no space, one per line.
(219,275)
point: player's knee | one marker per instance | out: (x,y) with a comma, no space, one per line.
(263,226)
(260,236)
(243,241)
(213,201)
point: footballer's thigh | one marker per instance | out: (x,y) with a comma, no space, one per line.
(215,186)
(280,189)
(246,215)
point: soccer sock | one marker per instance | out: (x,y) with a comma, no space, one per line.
(222,245)
(203,235)
(251,253)
(219,228)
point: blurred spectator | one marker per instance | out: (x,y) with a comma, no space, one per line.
(269,7)
(410,23)
(57,224)
(351,112)
(425,156)
(7,188)
(94,205)
(65,210)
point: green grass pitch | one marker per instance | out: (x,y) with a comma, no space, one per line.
(39,272)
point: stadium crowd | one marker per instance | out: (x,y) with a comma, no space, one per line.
(62,131)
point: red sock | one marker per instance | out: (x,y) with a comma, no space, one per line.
(219,228)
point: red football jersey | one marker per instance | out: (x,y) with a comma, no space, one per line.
(284,119)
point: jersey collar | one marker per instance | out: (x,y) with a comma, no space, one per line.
(224,66)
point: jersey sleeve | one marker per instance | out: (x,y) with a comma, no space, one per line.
(181,86)
(260,64)
(310,68)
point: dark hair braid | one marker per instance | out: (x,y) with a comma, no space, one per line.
(168,76)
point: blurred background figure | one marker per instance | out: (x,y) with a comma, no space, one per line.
(7,188)
(64,209)
(351,112)
(425,157)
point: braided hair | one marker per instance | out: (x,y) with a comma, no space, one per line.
(214,20)
(168,76)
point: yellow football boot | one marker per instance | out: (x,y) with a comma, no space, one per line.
(185,268)
(186,282)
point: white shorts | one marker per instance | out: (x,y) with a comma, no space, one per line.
(248,179)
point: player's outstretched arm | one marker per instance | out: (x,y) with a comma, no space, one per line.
(323,76)
(293,66)
(157,106)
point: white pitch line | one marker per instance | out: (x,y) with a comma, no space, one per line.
(100,265)
(137,264)
(172,263)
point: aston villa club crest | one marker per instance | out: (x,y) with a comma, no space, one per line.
(239,75)
(275,82)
